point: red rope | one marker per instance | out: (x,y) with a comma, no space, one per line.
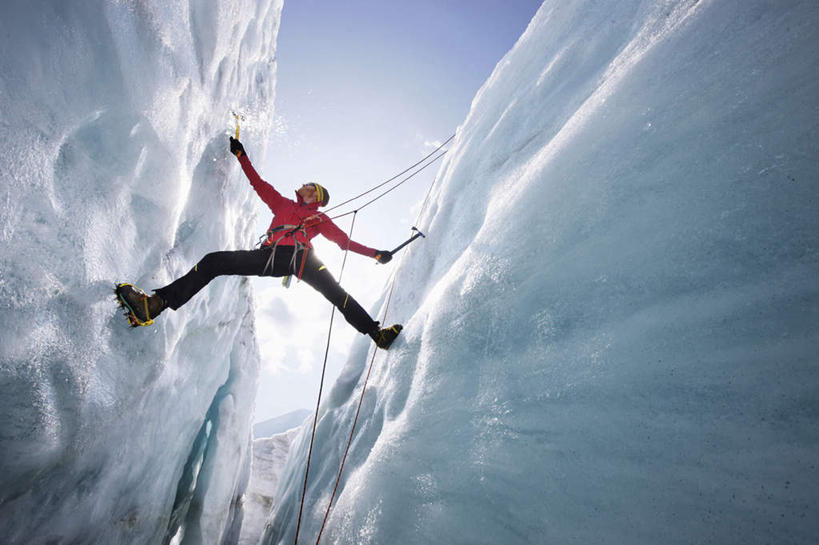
(355,421)
(321,387)
(364,388)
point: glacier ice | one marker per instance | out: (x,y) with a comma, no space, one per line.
(269,455)
(115,168)
(611,328)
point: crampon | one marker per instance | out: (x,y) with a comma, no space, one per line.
(134,302)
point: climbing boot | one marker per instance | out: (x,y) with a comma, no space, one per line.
(384,337)
(140,308)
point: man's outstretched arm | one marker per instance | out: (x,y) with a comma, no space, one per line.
(331,231)
(266,192)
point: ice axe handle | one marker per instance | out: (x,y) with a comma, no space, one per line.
(413,237)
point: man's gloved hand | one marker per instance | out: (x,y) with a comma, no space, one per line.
(383,256)
(236,147)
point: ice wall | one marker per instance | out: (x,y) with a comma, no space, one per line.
(115,168)
(611,329)
(269,457)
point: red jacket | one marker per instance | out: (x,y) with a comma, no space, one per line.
(298,213)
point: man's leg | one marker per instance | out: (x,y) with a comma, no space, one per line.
(239,262)
(318,277)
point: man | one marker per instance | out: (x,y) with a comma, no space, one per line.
(286,251)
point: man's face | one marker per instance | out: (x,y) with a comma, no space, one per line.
(308,193)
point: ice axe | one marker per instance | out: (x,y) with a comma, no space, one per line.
(236,117)
(413,237)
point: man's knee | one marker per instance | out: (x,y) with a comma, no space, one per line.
(336,295)
(329,288)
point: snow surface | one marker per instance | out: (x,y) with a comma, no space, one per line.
(115,168)
(611,329)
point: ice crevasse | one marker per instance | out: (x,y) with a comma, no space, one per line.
(610,329)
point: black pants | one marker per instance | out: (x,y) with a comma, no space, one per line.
(256,263)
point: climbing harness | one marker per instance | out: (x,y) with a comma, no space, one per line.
(299,246)
(415,236)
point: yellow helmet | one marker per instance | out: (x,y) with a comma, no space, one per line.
(322,195)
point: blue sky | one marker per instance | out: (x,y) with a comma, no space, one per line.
(364,89)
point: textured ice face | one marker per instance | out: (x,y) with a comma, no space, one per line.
(610,328)
(115,169)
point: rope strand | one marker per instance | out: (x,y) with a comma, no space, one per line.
(396,186)
(375,350)
(393,178)
(355,421)
(366,380)
(321,386)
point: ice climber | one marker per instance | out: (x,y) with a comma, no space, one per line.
(286,251)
